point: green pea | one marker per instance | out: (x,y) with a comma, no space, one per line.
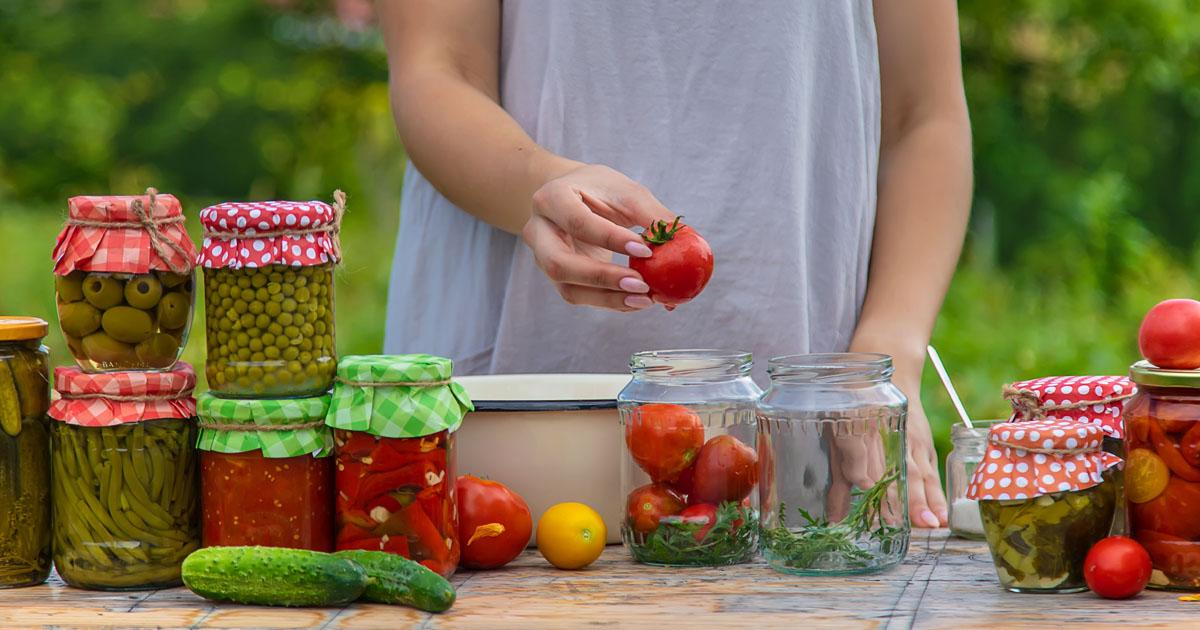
(288,290)
(295,367)
(262,320)
(243,281)
(292,332)
(286,319)
(303,294)
(256,308)
(243,354)
(256,373)
(247,320)
(258,280)
(289,305)
(274,289)
(291,353)
(268,339)
(271,352)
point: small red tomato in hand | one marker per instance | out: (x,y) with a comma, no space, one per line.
(726,470)
(680,264)
(1170,335)
(1117,568)
(664,439)
(703,514)
(494,523)
(649,504)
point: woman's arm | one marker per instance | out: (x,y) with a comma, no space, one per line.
(924,202)
(443,61)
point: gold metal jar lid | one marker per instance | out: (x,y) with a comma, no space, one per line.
(1145,373)
(22,328)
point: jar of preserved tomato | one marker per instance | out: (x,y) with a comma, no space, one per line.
(266,472)
(394,419)
(24,453)
(124,480)
(1045,495)
(689,469)
(268,291)
(1162,472)
(123,270)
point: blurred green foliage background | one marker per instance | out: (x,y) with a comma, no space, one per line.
(1086,116)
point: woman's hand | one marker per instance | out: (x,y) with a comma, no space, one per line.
(579,220)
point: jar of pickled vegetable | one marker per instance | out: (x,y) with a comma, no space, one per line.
(689,469)
(24,453)
(124,480)
(268,291)
(266,472)
(123,270)
(394,419)
(1046,496)
(1162,474)
(832,446)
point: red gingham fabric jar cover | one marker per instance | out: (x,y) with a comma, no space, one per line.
(1024,460)
(315,224)
(102,400)
(1098,400)
(123,249)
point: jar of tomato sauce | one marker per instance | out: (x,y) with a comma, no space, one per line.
(394,419)
(1162,475)
(266,472)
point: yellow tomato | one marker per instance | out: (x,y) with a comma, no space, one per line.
(1146,475)
(571,535)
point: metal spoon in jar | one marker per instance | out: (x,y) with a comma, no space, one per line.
(941,370)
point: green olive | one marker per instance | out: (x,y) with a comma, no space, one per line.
(75,346)
(173,310)
(143,292)
(159,351)
(70,286)
(101,348)
(78,319)
(172,280)
(103,290)
(127,324)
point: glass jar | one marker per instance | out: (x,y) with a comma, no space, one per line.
(832,443)
(968,445)
(24,453)
(1162,473)
(689,468)
(124,480)
(266,472)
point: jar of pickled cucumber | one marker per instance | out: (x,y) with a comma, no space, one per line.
(124,478)
(24,453)
(1045,495)
(268,291)
(266,472)
(394,419)
(123,282)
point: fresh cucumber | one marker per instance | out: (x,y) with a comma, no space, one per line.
(392,579)
(273,576)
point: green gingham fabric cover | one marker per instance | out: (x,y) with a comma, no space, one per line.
(317,441)
(401,411)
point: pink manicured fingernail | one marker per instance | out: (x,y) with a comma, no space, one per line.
(636,249)
(633,285)
(943,515)
(929,519)
(638,301)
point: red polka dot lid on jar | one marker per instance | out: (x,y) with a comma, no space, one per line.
(259,233)
(1098,400)
(1024,460)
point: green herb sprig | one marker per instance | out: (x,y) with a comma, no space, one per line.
(728,542)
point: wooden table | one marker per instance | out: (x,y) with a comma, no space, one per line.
(944,583)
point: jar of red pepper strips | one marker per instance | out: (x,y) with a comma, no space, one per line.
(394,419)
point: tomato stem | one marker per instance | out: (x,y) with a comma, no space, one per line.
(660,232)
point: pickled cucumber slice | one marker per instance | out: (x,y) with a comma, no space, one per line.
(10,402)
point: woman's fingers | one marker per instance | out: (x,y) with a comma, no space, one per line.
(563,264)
(602,298)
(562,204)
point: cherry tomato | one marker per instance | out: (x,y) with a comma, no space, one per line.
(1173,512)
(701,513)
(1170,335)
(1146,475)
(680,264)
(726,470)
(1117,568)
(494,523)
(664,439)
(649,504)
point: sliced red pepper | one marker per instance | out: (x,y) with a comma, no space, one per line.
(376,484)
(1179,558)
(1166,449)
(352,536)
(354,444)
(1189,445)
(428,536)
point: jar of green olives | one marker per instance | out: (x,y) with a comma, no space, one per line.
(124,482)
(268,282)
(124,282)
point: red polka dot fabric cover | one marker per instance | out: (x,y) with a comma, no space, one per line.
(314,221)
(120,249)
(1098,400)
(1024,460)
(101,400)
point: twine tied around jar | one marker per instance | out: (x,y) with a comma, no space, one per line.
(120,398)
(151,225)
(1026,402)
(393,383)
(1048,451)
(260,428)
(333,229)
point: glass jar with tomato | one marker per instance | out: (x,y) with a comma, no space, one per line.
(689,468)
(394,419)
(266,472)
(1162,472)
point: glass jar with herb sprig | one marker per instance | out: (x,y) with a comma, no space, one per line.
(689,467)
(832,464)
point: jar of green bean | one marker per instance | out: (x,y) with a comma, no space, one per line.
(124,489)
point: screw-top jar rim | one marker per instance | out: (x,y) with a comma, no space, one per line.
(691,365)
(831,368)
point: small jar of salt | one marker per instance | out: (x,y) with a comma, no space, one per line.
(968,447)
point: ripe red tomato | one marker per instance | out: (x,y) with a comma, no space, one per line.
(1117,568)
(1170,335)
(1171,512)
(726,470)
(682,485)
(494,523)
(649,504)
(702,513)
(680,264)
(664,439)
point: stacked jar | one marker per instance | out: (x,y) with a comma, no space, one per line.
(123,486)
(266,455)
